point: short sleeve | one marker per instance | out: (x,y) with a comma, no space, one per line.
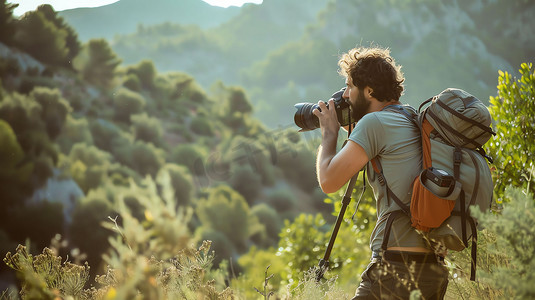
(369,134)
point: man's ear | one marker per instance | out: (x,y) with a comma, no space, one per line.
(368,92)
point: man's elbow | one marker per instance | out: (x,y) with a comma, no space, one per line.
(328,187)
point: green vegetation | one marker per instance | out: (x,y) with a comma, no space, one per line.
(164,165)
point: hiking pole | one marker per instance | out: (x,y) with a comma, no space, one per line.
(324,262)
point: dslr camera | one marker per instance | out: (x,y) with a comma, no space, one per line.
(306,120)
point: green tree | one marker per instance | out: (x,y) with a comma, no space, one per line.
(7,22)
(190,155)
(226,211)
(145,158)
(71,40)
(97,63)
(181,181)
(86,231)
(40,38)
(246,181)
(75,130)
(271,221)
(54,109)
(513,111)
(147,129)
(145,71)
(127,103)
(88,166)
(14,172)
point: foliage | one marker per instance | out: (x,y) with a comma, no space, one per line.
(75,130)
(97,63)
(149,258)
(181,181)
(85,231)
(41,38)
(71,41)
(88,166)
(54,109)
(45,276)
(14,173)
(226,211)
(513,110)
(246,181)
(127,103)
(147,129)
(190,155)
(7,22)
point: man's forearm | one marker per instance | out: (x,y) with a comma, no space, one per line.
(326,152)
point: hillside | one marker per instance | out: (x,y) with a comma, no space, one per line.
(283,52)
(124,16)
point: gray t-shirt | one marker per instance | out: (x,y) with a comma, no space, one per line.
(395,141)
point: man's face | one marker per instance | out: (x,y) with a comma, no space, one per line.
(359,104)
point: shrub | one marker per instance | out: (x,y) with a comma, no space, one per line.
(54,109)
(97,63)
(127,103)
(145,158)
(86,231)
(191,156)
(181,181)
(75,131)
(246,181)
(513,110)
(282,199)
(201,126)
(147,129)
(226,211)
(268,217)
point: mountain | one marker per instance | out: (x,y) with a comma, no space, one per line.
(123,17)
(284,51)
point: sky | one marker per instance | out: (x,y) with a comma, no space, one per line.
(27,5)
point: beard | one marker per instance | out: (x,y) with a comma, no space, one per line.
(360,107)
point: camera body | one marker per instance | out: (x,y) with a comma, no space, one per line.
(306,120)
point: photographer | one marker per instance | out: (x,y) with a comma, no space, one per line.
(405,262)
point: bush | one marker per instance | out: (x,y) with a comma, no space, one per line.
(201,126)
(88,166)
(268,217)
(191,156)
(513,110)
(54,109)
(97,63)
(75,131)
(246,181)
(282,199)
(147,129)
(145,158)
(127,103)
(86,231)
(227,211)
(181,181)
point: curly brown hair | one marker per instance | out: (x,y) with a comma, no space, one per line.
(373,67)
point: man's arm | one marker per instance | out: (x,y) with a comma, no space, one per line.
(335,169)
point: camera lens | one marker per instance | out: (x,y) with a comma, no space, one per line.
(304,117)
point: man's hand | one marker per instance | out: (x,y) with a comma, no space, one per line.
(333,169)
(328,120)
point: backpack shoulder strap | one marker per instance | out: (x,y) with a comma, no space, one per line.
(378,169)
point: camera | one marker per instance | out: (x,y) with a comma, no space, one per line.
(306,120)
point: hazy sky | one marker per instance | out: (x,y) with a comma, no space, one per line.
(26,5)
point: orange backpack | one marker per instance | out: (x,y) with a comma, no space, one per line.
(455,176)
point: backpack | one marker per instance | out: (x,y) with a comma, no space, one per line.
(455,176)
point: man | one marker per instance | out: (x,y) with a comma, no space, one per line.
(374,85)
